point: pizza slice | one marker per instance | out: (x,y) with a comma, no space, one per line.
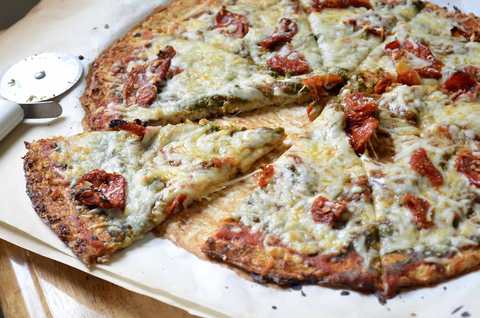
(421,161)
(310,219)
(275,34)
(204,58)
(429,49)
(171,80)
(347,31)
(101,191)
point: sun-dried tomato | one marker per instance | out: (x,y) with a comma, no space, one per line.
(422,165)
(101,189)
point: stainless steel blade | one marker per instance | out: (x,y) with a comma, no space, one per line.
(40,77)
(49,109)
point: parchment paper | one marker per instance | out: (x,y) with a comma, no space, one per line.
(156,267)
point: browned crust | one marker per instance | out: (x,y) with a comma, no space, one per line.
(286,268)
(164,19)
(406,270)
(445,12)
(96,93)
(52,199)
(455,15)
(100,85)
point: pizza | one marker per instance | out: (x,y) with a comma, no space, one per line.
(311,218)
(376,188)
(101,191)
(416,147)
(196,59)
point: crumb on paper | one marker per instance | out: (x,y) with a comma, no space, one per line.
(12,82)
(465,314)
(457,310)
(274,307)
(345,293)
(106,26)
(31,98)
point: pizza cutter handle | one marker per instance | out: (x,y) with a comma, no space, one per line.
(11,114)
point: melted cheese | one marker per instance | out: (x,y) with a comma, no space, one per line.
(263,18)
(344,47)
(322,164)
(392,180)
(403,99)
(341,46)
(169,162)
(434,30)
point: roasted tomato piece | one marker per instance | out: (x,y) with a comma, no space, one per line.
(319,5)
(421,164)
(407,75)
(146,95)
(434,70)
(291,63)
(218,163)
(334,214)
(469,164)
(231,24)
(360,135)
(284,33)
(312,111)
(319,85)
(266,175)
(420,209)
(383,84)
(377,81)
(136,79)
(372,23)
(101,189)
(467,26)
(161,66)
(144,81)
(237,232)
(177,204)
(359,107)
(361,123)
(460,81)
(394,45)
(136,127)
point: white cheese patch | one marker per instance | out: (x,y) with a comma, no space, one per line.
(392,180)
(341,46)
(322,164)
(172,160)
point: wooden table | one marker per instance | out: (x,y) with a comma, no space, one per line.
(34,286)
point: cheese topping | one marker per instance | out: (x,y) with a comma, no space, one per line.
(341,46)
(434,31)
(321,165)
(188,159)
(453,208)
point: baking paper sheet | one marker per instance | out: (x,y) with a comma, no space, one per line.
(156,267)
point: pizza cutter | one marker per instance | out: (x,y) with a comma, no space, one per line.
(30,87)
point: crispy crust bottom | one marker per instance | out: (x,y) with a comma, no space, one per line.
(403,271)
(286,268)
(52,199)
